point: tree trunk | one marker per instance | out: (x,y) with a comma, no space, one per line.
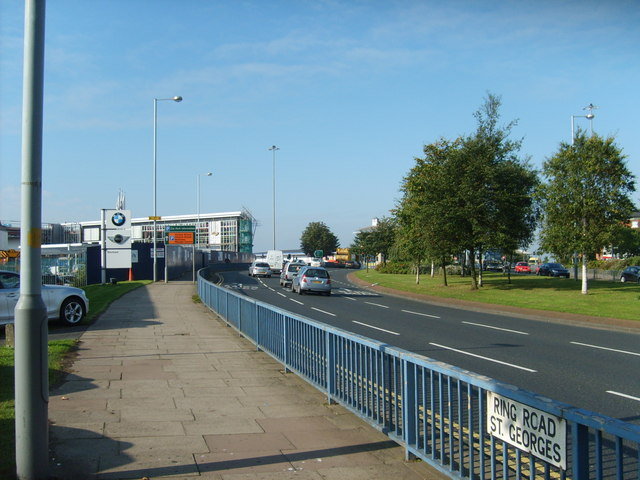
(418,273)
(433,269)
(474,280)
(585,285)
(444,273)
(481,258)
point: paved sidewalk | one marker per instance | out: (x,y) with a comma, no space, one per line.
(161,388)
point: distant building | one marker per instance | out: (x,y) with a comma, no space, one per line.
(227,231)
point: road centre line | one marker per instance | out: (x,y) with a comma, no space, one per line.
(294,300)
(322,311)
(350,298)
(376,328)
(281,294)
(631,397)
(496,328)
(606,348)
(484,358)
(421,314)
(376,305)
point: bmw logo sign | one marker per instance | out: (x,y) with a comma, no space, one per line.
(118,219)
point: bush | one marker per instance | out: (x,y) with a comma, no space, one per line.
(401,268)
(620,264)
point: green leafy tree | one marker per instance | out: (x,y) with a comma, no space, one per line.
(376,240)
(317,236)
(585,198)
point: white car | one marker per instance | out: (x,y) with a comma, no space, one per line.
(68,304)
(260,268)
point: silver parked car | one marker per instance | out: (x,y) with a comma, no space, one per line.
(68,304)
(289,271)
(260,268)
(312,279)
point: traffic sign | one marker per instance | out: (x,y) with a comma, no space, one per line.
(318,253)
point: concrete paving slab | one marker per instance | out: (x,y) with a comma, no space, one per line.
(193,399)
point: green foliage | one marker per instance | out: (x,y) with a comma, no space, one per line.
(317,236)
(469,194)
(620,264)
(402,268)
(377,239)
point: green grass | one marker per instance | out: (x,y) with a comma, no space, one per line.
(605,299)
(100,297)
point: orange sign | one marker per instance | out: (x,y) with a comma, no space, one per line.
(182,238)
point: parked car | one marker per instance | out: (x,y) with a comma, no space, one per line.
(351,264)
(260,268)
(522,267)
(289,271)
(630,274)
(67,304)
(312,279)
(553,270)
(493,267)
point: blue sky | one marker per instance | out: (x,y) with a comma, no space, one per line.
(349,90)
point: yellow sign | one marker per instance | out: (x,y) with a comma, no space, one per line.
(155,218)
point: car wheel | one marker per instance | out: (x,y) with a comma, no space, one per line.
(72,311)
(300,290)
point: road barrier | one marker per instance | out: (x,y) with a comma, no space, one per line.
(465,425)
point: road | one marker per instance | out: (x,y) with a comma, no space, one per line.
(586,367)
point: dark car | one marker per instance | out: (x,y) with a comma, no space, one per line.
(630,274)
(553,270)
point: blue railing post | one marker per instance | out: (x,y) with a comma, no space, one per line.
(580,436)
(409,410)
(330,358)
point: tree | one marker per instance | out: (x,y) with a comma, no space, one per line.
(585,199)
(317,236)
(472,193)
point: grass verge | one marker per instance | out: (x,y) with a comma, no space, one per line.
(605,299)
(100,297)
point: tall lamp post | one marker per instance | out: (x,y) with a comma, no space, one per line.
(208,174)
(273,149)
(155,182)
(589,116)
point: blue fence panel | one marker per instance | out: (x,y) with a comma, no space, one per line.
(437,412)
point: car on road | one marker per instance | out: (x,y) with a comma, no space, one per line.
(553,270)
(64,303)
(493,267)
(312,279)
(260,268)
(522,267)
(630,274)
(289,271)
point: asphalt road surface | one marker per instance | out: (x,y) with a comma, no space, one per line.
(586,367)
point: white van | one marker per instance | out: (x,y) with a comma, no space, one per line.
(275,260)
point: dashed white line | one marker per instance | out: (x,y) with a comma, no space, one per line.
(376,305)
(349,298)
(322,311)
(421,314)
(631,397)
(606,348)
(281,294)
(376,328)
(484,358)
(294,300)
(496,328)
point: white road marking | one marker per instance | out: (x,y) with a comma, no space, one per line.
(322,311)
(606,348)
(631,397)
(349,298)
(376,305)
(281,294)
(376,328)
(496,328)
(294,300)
(421,314)
(484,358)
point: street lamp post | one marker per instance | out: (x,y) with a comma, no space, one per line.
(155,183)
(208,174)
(589,116)
(273,149)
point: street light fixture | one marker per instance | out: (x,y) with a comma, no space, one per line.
(273,149)
(589,116)
(208,174)
(155,183)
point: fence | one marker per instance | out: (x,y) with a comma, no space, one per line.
(57,268)
(465,425)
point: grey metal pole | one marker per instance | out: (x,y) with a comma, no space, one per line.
(155,187)
(273,149)
(31,361)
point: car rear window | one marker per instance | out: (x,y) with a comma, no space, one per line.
(262,265)
(313,272)
(294,268)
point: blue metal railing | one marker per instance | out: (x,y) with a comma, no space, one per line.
(437,412)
